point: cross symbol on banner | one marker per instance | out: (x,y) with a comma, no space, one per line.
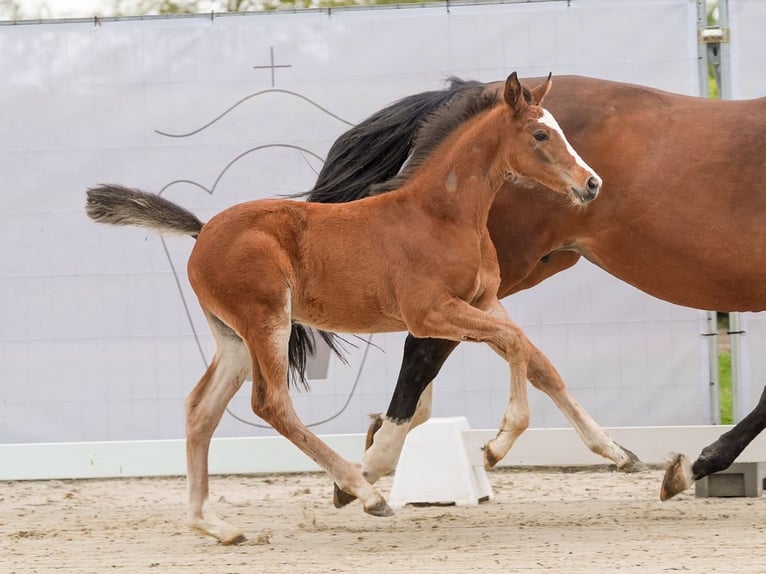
(272,66)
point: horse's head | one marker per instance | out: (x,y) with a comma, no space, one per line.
(538,148)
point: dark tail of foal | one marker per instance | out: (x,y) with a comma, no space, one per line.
(119,205)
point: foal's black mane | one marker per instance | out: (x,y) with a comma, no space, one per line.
(435,129)
(376,149)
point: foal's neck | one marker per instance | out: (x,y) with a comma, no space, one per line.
(459,181)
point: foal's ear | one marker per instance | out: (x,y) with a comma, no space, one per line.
(513,93)
(539,92)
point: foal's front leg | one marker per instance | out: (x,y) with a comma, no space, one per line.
(544,376)
(459,321)
(525,359)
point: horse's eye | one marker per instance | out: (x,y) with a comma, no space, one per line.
(540,136)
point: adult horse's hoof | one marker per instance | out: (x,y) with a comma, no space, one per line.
(634,463)
(341,498)
(678,477)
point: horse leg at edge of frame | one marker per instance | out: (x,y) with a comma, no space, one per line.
(205,406)
(410,406)
(719,455)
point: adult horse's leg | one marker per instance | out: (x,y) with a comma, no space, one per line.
(422,414)
(422,360)
(719,455)
(543,375)
(425,358)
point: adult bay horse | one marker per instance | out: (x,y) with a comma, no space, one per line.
(680,217)
(259,266)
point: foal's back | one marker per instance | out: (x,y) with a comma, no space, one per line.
(336,266)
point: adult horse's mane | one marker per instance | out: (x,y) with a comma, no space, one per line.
(437,126)
(372,151)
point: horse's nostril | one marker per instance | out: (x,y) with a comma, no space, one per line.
(593,184)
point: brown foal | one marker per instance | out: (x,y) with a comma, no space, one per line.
(366,266)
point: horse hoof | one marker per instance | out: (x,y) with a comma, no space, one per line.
(490,460)
(634,463)
(678,477)
(380,508)
(341,498)
(225,534)
(234,540)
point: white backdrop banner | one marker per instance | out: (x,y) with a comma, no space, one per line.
(100,334)
(747,48)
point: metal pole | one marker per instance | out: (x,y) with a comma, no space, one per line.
(702,61)
(711,332)
(725,52)
(712,337)
(739,388)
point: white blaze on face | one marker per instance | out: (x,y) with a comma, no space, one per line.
(547,119)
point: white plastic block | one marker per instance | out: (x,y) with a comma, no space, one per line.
(435,468)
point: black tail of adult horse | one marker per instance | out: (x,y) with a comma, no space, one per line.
(371,152)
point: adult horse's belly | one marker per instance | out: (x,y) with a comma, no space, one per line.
(694,265)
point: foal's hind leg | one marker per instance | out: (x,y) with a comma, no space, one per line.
(205,406)
(271,401)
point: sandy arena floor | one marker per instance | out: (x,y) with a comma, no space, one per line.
(539,521)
